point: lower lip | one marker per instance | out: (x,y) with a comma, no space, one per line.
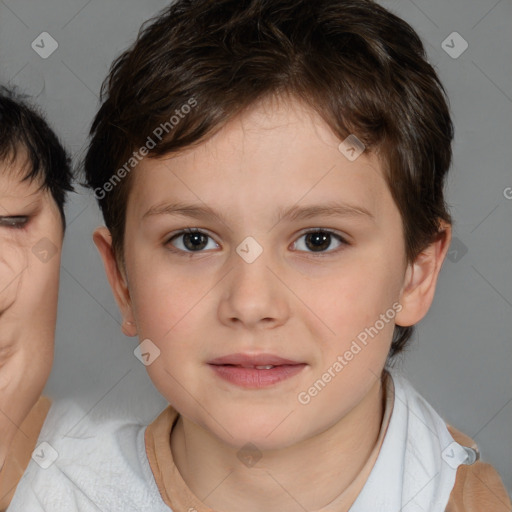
(254,378)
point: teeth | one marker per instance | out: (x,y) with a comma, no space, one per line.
(262,367)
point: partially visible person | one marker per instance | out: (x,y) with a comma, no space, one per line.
(35,175)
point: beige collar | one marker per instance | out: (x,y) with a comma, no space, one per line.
(176,493)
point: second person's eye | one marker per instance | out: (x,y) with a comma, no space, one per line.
(14,221)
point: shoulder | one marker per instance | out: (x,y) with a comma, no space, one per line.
(472,487)
(87,464)
(477,486)
(21,449)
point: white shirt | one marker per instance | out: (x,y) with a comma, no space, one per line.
(95,467)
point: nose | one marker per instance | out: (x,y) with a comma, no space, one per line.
(254,296)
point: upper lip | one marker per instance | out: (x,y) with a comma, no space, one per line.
(252,360)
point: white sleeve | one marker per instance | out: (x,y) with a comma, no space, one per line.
(86,465)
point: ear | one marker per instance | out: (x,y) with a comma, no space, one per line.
(103,241)
(421,278)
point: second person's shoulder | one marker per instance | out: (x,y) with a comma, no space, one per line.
(87,463)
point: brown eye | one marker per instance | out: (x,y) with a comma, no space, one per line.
(320,240)
(190,241)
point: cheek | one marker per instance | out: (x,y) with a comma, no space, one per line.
(350,302)
(164,300)
(41,283)
(165,314)
(361,288)
(13,262)
(30,264)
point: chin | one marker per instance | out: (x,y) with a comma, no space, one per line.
(265,433)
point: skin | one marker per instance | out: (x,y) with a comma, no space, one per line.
(290,301)
(28,296)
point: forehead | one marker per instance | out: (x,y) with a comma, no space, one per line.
(13,186)
(278,152)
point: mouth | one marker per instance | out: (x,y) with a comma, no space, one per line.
(252,360)
(259,367)
(255,371)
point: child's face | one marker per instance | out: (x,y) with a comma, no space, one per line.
(302,299)
(30,243)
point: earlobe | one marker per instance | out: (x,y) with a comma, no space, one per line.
(129,328)
(421,278)
(117,280)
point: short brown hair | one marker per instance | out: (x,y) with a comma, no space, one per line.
(362,68)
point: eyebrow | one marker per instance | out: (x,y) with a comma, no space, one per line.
(293,213)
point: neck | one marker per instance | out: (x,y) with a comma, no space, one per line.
(282,479)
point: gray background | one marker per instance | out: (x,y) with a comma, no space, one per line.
(460,359)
